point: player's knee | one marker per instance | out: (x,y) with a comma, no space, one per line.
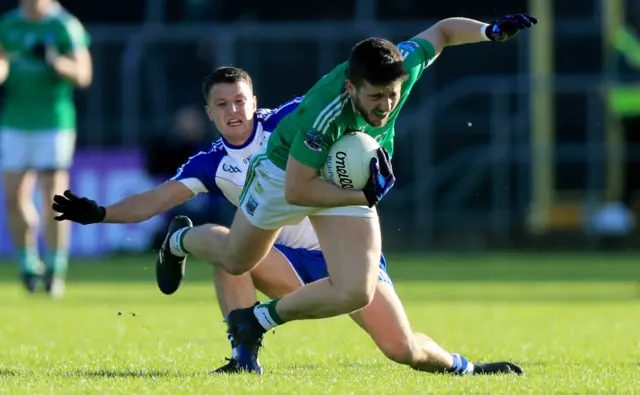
(238,263)
(355,297)
(399,350)
(235,266)
(235,270)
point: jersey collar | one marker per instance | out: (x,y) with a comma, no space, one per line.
(249,147)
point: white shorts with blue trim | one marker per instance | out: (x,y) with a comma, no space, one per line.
(264,203)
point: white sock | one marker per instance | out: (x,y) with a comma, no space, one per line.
(266,315)
(175,242)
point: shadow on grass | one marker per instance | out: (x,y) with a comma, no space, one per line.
(127,373)
(7,372)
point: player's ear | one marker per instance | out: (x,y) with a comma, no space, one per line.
(351,88)
(208,111)
(255,104)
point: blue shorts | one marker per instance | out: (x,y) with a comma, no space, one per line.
(310,266)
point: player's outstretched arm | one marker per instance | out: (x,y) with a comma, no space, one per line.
(135,208)
(459,31)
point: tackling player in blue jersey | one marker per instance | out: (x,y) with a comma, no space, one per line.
(294,261)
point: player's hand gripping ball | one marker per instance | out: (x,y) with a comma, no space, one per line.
(356,161)
(381,178)
(508,26)
(349,159)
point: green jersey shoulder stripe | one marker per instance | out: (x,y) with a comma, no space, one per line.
(330,112)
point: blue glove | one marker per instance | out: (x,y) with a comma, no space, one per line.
(508,26)
(381,179)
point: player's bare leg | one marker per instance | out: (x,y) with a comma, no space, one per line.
(243,243)
(386,322)
(19,188)
(352,249)
(233,292)
(273,276)
(57,233)
(384,319)
(236,251)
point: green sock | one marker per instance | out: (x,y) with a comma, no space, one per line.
(267,315)
(28,260)
(57,261)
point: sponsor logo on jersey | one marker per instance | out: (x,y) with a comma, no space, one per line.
(251,205)
(313,141)
(230,169)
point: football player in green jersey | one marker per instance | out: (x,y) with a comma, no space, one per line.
(43,56)
(364,94)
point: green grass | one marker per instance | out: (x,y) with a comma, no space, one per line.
(571,321)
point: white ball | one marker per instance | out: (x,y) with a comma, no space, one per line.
(348,163)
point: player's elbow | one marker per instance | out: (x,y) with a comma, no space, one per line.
(84,69)
(84,79)
(299,183)
(294,194)
(298,190)
(83,83)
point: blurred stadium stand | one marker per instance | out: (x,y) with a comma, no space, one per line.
(464,139)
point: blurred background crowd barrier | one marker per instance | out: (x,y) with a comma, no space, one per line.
(532,143)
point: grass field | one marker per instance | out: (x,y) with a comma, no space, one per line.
(571,321)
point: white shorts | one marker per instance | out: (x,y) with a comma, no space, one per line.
(41,150)
(264,203)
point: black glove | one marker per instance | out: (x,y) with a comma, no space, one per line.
(81,210)
(381,179)
(508,26)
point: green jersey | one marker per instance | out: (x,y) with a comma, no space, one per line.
(36,97)
(326,113)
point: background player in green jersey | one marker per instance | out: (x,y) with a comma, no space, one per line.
(365,94)
(43,55)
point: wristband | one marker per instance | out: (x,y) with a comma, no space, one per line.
(484,32)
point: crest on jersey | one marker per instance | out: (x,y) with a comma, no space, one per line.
(251,205)
(407,47)
(313,141)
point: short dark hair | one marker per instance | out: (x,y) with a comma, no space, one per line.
(377,61)
(225,74)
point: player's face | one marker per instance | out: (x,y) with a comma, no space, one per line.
(231,107)
(374,102)
(34,3)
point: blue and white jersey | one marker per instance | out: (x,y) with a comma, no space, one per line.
(223,169)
